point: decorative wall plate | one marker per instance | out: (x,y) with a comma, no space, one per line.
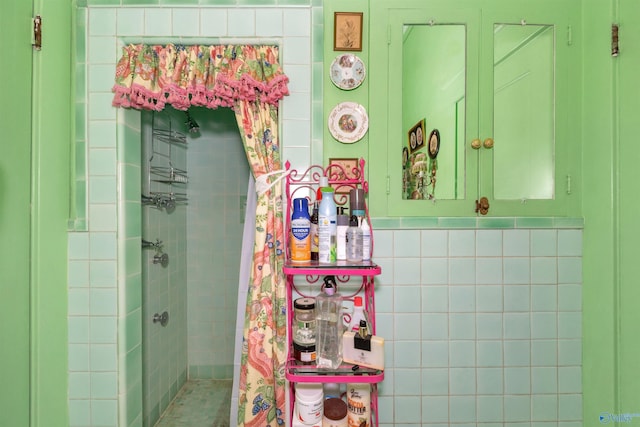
(347,71)
(348,122)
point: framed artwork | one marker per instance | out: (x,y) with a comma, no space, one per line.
(434,143)
(416,136)
(347,31)
(341,170)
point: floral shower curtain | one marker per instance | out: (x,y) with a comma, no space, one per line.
(248,79)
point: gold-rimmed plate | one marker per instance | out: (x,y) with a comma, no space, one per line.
(348,122)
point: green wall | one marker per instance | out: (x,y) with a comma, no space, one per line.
(15,169)
(611,349)
(34,199)
(332,95)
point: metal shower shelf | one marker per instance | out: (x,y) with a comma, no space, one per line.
(176,197)
(170,175)
(170,136)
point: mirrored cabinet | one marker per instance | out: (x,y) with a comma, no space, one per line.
(478,107)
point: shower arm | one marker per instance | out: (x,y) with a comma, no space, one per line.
(157,245)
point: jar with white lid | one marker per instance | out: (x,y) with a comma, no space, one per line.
(309,402)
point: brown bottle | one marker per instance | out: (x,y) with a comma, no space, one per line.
(314,232)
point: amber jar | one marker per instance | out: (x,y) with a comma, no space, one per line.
(335,413)
(304,354)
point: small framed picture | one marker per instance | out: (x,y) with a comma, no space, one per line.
(416,136)
(347,31)
(342,170)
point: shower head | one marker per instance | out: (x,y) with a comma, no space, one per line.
(192,125)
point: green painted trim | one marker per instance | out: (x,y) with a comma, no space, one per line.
(505,223)
(51,146)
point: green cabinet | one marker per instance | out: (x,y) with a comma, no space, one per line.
(472,100)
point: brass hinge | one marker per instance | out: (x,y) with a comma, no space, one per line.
(614,40)
(569,35)
(568,184)
(37,32)
(388,184)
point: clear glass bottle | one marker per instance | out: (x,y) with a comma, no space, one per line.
(329,328)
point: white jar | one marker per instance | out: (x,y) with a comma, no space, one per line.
(309,402)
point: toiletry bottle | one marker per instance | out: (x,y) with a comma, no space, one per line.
(358,405)
(304,331)
(300,231)
(329,327)
(366,239)
(341,234)
(314,231)
(327,219)
(323,182)
(354,241)
(331,390)
(357,315)
(356,202)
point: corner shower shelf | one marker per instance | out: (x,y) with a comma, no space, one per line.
(301,185)
(161,169)
(170,175)
(170,136)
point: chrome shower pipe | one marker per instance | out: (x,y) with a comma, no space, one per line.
(147,244)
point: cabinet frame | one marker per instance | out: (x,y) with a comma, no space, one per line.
(385,109)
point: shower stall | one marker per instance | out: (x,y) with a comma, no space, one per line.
(194,190)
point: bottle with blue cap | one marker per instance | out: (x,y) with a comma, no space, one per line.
(300,241)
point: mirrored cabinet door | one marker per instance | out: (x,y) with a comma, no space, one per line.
(525,167)
(431,94)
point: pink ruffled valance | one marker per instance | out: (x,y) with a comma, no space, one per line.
(148,77)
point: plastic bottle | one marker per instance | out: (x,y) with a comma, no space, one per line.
(356,202)
(329,327)
(314,231)
(358,405)
(354,241)
(357,315)
(300,231)
(341,234)
(331,390)
(323,182)
(366,239)
(327,227)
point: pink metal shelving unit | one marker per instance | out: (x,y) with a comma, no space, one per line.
(305,184)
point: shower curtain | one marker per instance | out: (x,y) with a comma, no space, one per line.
(246,259)
(262,382)
(249,80)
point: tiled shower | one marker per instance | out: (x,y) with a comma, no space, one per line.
(105,264)
(202,237)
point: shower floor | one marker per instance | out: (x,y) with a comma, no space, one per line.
(200,403)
